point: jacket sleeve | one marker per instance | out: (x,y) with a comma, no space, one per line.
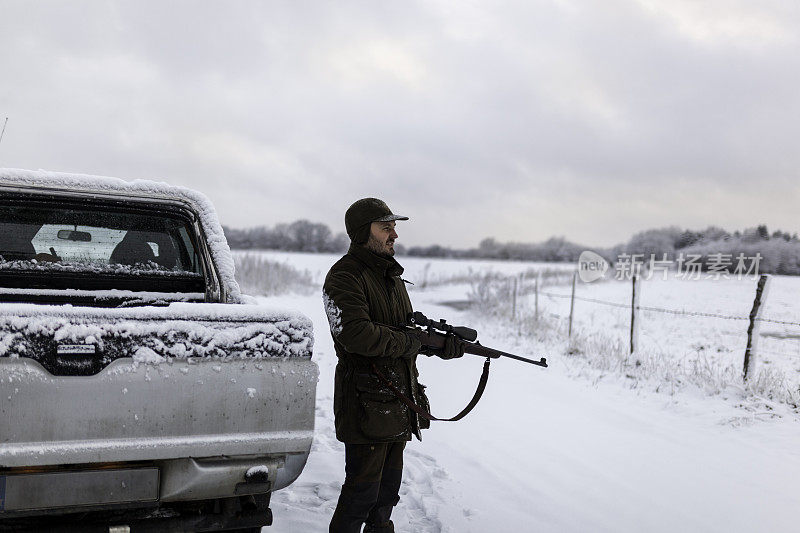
(348,317)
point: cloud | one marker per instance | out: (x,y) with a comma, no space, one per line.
(514,119)
(725,23)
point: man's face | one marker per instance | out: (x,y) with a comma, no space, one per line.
(381,238)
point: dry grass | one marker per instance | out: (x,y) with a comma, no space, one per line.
(262,277)
(492,288)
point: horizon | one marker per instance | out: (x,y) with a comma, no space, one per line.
(587,246)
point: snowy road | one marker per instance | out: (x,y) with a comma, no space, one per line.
(546,452)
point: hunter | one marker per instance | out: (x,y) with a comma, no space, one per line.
(365,298)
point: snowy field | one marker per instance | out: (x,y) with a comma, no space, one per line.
(573,448)
(418,270)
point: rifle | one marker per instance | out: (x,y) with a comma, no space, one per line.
(433,334)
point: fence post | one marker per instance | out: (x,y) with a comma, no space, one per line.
(536,297)
(572,302)
(755,325)
(514,300)
(636,291)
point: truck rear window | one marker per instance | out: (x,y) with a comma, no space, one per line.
(45,237)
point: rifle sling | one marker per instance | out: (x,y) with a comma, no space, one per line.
(425,414)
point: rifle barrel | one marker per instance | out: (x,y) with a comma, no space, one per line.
(540,362)
(479,349)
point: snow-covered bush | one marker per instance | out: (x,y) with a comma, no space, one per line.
(489,289)
(777,256)
(495,290)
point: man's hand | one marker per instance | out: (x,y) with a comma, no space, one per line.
(445,346)
(453,347)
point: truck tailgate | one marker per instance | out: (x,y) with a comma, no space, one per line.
(192,380)
(133,412)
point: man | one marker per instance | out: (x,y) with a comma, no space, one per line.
(365,298)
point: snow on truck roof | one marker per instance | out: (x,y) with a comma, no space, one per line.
(60,181)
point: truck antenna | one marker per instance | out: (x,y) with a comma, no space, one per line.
(4,130)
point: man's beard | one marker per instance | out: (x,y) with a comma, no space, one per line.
(378,247)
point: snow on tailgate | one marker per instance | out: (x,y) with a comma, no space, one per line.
(152,334)
(83,182)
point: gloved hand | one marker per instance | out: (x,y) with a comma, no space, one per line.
(453,347)
(415,346)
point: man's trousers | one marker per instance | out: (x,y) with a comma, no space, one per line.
(373,473)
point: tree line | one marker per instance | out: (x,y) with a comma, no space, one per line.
(298,236)
(779,250)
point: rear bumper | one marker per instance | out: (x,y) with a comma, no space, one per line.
(96,487)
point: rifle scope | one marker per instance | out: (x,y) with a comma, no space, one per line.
(462,332)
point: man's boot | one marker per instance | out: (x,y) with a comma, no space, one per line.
(386,527)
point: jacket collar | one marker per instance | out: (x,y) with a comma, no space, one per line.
(385,266)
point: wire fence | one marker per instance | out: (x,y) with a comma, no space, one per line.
(752,333)
(668,311)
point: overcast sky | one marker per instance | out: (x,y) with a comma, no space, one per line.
(519,120)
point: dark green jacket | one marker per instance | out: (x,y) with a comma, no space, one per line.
(363,294)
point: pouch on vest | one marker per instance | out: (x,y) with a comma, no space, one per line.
(383,416)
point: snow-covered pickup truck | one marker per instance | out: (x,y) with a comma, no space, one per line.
(139,389)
